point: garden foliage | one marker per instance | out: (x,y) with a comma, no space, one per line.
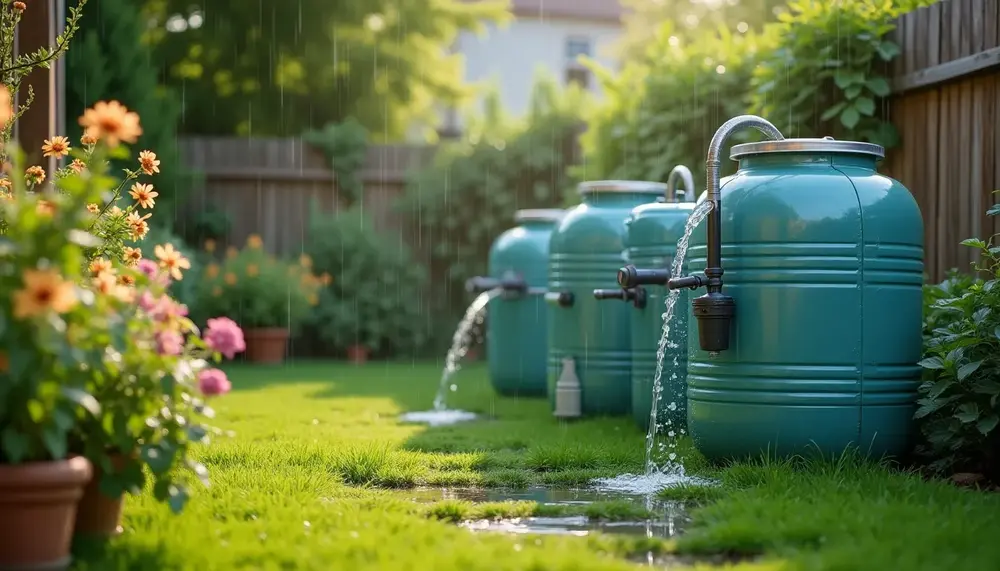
(375,296)
(458,205)
(960,397)
(820,69)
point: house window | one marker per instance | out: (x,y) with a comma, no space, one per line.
(575,73)
(577,46)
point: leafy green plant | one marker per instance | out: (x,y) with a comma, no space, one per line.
(824,69)
(345,146)
(469,194)
(661,111)
(960,396)
(256,290)
(373,297)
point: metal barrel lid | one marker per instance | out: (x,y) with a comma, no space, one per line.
(539,215)
(824,145)
(643,186)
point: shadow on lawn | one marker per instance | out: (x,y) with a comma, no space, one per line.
(104,555)
(518,438)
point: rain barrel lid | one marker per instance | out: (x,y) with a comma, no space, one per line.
(622,186)
(824,145)
(539,215)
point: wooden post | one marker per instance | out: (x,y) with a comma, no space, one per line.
(40,24)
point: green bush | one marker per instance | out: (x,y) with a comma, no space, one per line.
(959,409)
(374,298)
(825,70)
(345,146)
(662,111)
(469,194)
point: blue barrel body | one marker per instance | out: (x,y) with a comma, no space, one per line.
(585,253)
(824,259)
(517,325)
(651,242)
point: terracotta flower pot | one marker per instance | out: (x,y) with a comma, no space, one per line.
(357,354)
(99,515)
(266,344)
(38,504)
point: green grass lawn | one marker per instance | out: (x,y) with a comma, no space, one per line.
(317,473)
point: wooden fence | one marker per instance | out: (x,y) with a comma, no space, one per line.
(268,186)
(946,104)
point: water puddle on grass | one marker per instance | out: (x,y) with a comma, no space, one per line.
(668,519)
(437,417)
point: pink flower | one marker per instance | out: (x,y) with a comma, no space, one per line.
(167,310)
(169,342)
(148,267)
(147,302)
(224,336)
(213,382)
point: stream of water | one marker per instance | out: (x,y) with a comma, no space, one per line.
(461,341)
(671,472)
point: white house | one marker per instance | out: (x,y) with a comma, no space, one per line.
(544,33)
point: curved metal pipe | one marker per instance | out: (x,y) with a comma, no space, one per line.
(684,174)
(713,267)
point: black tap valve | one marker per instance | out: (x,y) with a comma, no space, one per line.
(637,295)
(714,310)
(560,298)
(630,276)
(512,286)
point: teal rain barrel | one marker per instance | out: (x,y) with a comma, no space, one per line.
(651,242)
(587,248)
(517,320)
(823,259)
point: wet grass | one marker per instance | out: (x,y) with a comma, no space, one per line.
(320,476)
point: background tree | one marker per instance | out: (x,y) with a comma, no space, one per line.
(110,61)
(274,67)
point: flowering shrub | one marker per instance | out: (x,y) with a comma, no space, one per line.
(90,325)
(257,290)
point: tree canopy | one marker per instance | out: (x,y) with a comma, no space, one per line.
(278,67)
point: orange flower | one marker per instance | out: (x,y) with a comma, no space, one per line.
(100,266)
(230,278)
(107,284)
(115,211)
(19,7)
(232,252)
(6,183)
(93,208)
(78,166)
(149,163)
(138,227)
(44,290)
(131,256)
(6,110)
(210,245)
(253,270)
(212,271)
(254,242)
(88,140)
(34,175)
(45,207)
(305,261)
(313,299)
(126,280)
(111,122)
(326,279)
(144,195)
(57,146)
(172,260)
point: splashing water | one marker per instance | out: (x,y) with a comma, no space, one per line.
(672,466)
(461,341)
(658,477)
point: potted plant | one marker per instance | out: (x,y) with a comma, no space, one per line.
(149,360)
(268,297)
(374,304)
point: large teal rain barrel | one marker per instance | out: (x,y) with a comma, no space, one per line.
(823,260)
(651,242)
(586,249)
(517,320)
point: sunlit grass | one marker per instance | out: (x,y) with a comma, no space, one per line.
(320,475)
